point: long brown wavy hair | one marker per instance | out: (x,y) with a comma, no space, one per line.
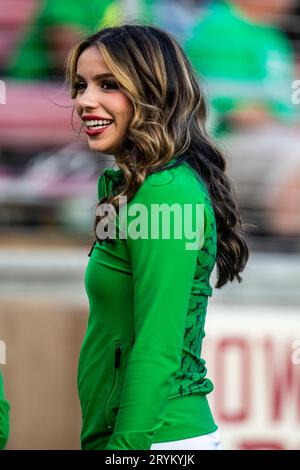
(169,120)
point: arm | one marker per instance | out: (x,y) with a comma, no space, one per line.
(163,271)
(249,115)
(4,416)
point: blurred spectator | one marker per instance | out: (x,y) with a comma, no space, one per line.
(12,21)
(178,16)
(56,27)
(248,66)
(247,63)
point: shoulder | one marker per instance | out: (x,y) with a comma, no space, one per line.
(179,184)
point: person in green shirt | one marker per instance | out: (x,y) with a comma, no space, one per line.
(4,416)
(54,29)
(142,380)
(57,25)
(245,62)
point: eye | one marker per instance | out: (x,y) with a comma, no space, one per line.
(109,85)
(79,86)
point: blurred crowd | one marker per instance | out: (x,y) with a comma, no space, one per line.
(246,55)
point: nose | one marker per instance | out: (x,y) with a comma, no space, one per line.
(88,99)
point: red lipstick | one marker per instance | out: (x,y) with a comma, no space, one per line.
(96,131)
(90,117)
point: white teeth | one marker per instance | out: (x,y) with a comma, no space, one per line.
(98,123)
(95,128)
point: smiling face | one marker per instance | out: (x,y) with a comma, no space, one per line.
(105,109)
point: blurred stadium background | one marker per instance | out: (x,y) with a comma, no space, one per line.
(247,56)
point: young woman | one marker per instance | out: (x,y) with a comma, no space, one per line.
(4,416)
(141,378)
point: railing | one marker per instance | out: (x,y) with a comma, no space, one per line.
(271,279)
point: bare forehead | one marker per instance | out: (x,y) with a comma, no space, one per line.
(91,62)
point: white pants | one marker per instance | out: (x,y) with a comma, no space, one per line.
(209,441)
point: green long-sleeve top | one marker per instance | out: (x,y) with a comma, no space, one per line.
(141,378)
(4,416)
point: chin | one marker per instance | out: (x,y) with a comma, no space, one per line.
(94,146)
(105,149)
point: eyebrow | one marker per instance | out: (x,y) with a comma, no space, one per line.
(96,77)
